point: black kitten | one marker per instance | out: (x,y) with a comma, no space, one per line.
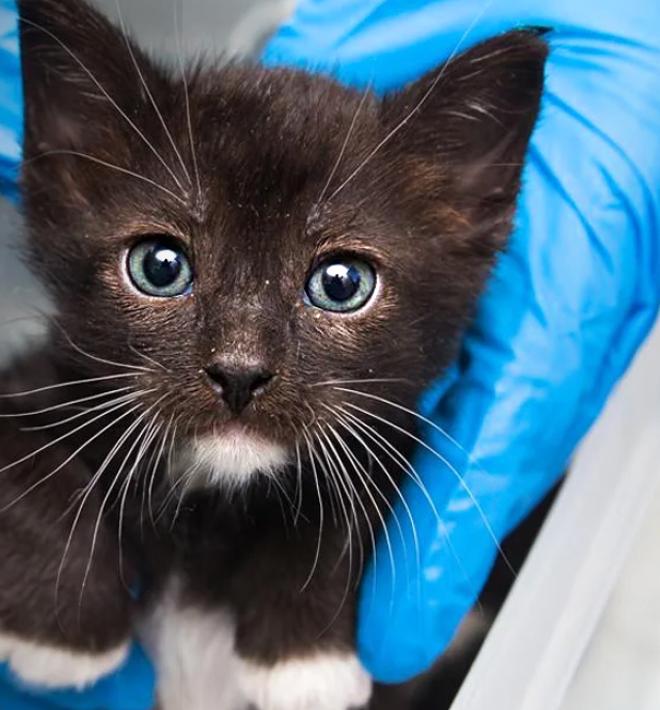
(253,269)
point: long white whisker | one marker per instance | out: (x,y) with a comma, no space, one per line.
(344,146)
(50,388)
(395,455)
(102,360)
(352,429)
(459,478)
(349,526)
(186,91)
(321,512)
(66,405)
(147,90)
(109,98)
(417,107)
(148,435)
(89,489)
(99,517)
(110,166)
(364,479)
(333,477)
(371,380)
(131,396)
(59,439)
(55,471)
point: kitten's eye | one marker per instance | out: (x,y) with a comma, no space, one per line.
(341,285)
(159,267)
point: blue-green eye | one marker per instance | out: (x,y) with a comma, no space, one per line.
(341,285)
(159,267)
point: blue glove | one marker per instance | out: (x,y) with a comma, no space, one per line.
(132,687)
(568,306)
(11,99)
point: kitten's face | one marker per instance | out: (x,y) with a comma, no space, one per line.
(248,243)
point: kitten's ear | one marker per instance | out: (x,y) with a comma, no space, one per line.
(474,115)
(77,69)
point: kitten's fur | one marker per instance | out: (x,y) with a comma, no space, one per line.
(227,601)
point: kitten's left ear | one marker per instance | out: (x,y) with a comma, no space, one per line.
(473,116)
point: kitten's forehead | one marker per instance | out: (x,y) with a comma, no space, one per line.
(268,138)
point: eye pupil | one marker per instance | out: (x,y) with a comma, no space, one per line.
(341,281)
(159,267)
(341,285)
(162,266)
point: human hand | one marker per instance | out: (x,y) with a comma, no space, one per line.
(569,304)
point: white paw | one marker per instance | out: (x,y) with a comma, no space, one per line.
(52,667)
(328,681)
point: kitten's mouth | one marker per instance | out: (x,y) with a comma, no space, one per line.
(234,455)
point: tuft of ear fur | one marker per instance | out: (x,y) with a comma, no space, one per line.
(82,91)
(474,116)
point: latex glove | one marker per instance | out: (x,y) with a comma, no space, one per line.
(132,687)
(11,99)
(567,308)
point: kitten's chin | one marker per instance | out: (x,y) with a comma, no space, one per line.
(234,458)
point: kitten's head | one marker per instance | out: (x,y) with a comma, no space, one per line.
(252,238)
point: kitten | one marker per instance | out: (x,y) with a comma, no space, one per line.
(248,266)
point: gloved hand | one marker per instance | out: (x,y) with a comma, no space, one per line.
(11,99)
(567,308)
(132,687)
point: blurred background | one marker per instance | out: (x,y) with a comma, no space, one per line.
(621,669)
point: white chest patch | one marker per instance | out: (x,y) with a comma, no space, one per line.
(231,459)
(193,651)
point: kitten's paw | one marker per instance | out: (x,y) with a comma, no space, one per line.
(51,667)
(329,681)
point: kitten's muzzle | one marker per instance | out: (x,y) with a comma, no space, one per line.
(237,384)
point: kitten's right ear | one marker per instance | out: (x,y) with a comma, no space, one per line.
(77,71)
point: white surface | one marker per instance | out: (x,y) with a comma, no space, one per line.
(534,650)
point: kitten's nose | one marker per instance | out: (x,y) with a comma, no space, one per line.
(238,384)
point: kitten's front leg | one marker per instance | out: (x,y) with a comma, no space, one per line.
(64,614)
(295,633)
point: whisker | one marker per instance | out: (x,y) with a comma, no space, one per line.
(110,166)
(89,489)
(344,146)
(148,435)
(149,359)
(148,92)
(415,414)
(99,517)
(43,480)
(364,479)
(130,397)
(420,104)
(50,388)
(352,429)
(97,358)
(372,380)
(61,438)
(186,92)
(457,475)
(65,405)
(321,512)
(109,98)
(349,526)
